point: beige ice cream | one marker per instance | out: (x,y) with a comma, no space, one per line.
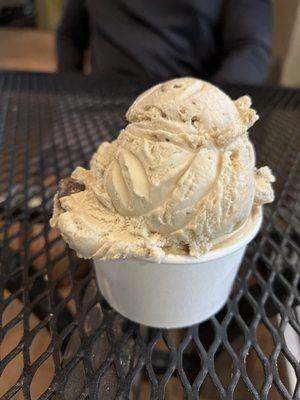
(180,178)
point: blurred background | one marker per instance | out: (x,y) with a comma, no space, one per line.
(27,38)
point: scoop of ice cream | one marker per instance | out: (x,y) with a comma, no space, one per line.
(197,112)
(179,177)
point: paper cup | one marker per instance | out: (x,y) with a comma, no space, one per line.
(178,292)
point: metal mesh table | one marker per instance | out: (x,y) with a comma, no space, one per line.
(67,339)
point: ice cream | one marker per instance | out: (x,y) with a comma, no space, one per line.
(180,178)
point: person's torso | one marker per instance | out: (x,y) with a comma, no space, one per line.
(160,39)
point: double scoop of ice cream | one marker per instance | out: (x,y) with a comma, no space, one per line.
(179,179)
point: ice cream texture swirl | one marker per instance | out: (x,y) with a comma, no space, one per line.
(179,178)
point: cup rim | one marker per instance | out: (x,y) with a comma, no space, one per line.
(213,254)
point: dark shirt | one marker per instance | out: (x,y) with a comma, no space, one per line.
(219,40)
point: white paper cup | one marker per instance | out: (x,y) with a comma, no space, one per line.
(178,292)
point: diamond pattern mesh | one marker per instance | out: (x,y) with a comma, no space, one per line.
(59,339)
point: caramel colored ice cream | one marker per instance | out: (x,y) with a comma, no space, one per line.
(180,178)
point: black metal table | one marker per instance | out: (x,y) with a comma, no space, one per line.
(49,125)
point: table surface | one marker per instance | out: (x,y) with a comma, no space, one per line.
(69,340)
